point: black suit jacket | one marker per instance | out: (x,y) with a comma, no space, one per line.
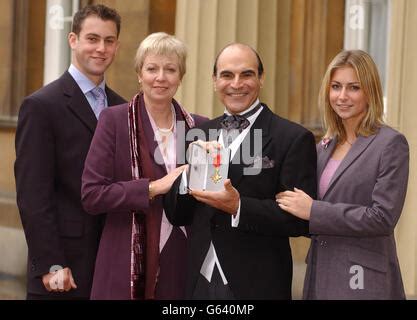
(54,131)
(255,256)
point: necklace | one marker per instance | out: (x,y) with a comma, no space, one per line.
(166,130)
(165,137)
(350,143)
(346,142)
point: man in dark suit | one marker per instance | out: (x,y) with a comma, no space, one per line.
(55,128)
(239,241)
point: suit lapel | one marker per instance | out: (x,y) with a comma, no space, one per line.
(262,123)
(154,152)
(112,98)
(355,151)
(78,103)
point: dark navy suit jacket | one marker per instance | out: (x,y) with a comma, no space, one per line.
(54,131)
(255,256)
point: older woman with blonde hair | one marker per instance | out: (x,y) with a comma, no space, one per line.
(131,163)
(362,175)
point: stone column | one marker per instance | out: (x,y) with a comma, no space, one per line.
(13,30)
(12,88)
(135,15)
(283,32)
(6,52)
(402,115)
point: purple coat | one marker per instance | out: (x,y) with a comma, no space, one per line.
(107,187)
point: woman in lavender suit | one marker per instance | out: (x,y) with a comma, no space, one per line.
(362,173)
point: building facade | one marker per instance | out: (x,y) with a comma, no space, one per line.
(296,39)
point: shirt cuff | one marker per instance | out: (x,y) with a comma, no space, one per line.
(236,217)
(183,184)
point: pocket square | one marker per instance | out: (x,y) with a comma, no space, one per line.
(262,163)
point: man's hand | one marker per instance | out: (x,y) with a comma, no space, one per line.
(226,200)
(59,281)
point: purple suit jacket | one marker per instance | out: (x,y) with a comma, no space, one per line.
(353,252)
(107,187)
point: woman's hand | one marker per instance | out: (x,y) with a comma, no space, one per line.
(210,146)
(162,186)
(296,202)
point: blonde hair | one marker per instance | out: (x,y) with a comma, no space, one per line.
(163,44)
(367,74)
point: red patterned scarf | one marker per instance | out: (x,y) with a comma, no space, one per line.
(144,247)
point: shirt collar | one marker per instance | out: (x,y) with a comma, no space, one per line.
(83,82)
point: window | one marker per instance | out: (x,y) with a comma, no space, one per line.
(58,24)
(366,28)
(13,61)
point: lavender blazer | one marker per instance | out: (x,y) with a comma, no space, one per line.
(353,252)
(107,187)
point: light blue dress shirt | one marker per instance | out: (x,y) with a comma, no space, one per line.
(86,85)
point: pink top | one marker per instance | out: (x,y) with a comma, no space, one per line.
(327,175)
(167,145)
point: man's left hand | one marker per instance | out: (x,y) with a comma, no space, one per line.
(226,200)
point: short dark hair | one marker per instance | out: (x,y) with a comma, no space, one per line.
(260,64)
(98,10)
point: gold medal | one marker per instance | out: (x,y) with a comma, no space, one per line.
(216,177)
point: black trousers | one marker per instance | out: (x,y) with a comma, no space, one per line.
(214,290)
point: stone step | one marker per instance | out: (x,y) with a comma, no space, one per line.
(12,287)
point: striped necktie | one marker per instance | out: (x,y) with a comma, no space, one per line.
(100,102)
